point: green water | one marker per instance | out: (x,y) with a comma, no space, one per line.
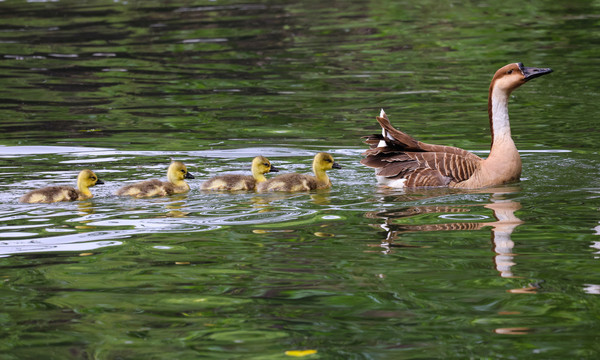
(356,272)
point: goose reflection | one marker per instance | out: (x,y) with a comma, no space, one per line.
(503,209)
(594,288)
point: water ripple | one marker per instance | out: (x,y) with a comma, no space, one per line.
(71,242)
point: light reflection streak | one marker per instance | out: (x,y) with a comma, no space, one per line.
(71,242)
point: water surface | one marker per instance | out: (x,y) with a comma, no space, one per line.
(356,272)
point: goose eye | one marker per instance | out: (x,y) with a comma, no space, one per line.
(509,72)
(265,164)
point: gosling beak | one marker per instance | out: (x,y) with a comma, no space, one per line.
(532,72)
(336,166)
(189,176)
(99,182)
(274,169)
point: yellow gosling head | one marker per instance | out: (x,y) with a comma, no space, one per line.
(324,161)
(260,166)
(321,163)
(177,172)
(87,179)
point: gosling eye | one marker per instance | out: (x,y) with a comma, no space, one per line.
(509,72)
(267,165)
(183,171)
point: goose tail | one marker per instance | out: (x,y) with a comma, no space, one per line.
(391,139)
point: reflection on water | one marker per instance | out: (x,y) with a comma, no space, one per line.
(318,197)
(594,288)
(504,212)
(503,209)
(86,208)
(175,209)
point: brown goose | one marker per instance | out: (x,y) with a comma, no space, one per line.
(401,161)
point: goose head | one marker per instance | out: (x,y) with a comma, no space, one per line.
(262,165)
(177,172)
(511,76)
(324,161)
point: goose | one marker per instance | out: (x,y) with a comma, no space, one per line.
(302,182)
(51,194)
(235,182)
(401,161)
(176,174)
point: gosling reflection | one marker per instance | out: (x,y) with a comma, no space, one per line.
(175,205)
(86,208)
(319,197)
(503,209)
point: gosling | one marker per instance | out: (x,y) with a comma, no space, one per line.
(51,194)
(176,174)
(302,182)
(235,182)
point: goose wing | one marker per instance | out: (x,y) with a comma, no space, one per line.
(397,156)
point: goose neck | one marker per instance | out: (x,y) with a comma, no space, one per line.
(498,113)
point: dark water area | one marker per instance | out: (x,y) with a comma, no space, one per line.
(355,272)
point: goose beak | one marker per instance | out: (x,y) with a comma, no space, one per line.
(99,182)
(189,176)
(532,72)
(274,169)
(336,165)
